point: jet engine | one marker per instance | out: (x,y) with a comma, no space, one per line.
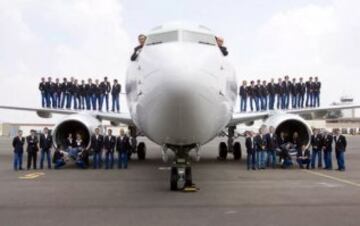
(75,124)
(289,124)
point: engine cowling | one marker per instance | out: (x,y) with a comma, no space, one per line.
(289,124)
(78,123)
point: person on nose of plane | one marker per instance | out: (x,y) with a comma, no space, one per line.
(220,43)
(137,49)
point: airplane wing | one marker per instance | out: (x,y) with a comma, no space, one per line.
(115,118)
(239,118)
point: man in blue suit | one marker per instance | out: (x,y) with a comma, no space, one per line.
(18,145)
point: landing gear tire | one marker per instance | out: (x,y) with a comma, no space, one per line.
(237,151)
(188,177)
(173,179)
(141,151)
(180,178)
(223,151)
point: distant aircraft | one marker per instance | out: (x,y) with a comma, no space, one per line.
(181,93)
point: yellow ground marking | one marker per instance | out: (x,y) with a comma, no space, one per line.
(30,176)
(333,178)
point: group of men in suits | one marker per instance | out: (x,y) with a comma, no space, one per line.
(34,145)
(102,146)
(74,148)
(262,95)
(263,149)
(80,95)
(322,149)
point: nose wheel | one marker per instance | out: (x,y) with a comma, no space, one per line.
(180,178)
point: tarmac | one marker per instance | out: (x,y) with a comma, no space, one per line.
(229,194)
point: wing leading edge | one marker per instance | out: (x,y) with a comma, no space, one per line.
(239,118)
(115,118)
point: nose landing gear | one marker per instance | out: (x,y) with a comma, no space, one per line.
(181,173)
(180,177)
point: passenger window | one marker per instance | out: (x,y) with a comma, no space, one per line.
(207,39)
(155,39)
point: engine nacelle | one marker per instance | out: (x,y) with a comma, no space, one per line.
(78,123)
(289,124)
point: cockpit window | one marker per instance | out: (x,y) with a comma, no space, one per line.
(155,39)
(181,35)
(190,36)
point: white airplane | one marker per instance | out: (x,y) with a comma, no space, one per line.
(181,93)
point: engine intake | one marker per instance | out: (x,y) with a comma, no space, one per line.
(289,124)
(75,124)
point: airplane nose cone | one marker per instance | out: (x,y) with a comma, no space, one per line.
(180,106)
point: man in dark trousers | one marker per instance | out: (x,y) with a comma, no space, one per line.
(48,92)
(251,150)
(294,93)
(58,92)
(243,96)
(32,149)
(279,93)
(251,93)
(286,95)
(123,148)
(257,93)
(53,94)
(98,94)
(46,143)
(309,92)
(65,92)
(70,91)
(88,94)
(75,93)
(271,147)
(18,145)
(115,94)
(340,147)
(301,88)
(97,142)
(94,91)
(220,43)
(327,148)
(316,149)
(137,50)
(264,96)
(109,146)
(42,89)
(107,87)
(260,141)
(82,90)
(272,92)
(316,94)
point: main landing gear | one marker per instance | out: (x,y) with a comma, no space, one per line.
(139,149)
(231,146)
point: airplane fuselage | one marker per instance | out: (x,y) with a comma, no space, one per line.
(181,92)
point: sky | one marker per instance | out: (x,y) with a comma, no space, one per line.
(91,38)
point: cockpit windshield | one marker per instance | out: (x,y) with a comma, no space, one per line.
(159,38)
(181,35)
(202,38)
